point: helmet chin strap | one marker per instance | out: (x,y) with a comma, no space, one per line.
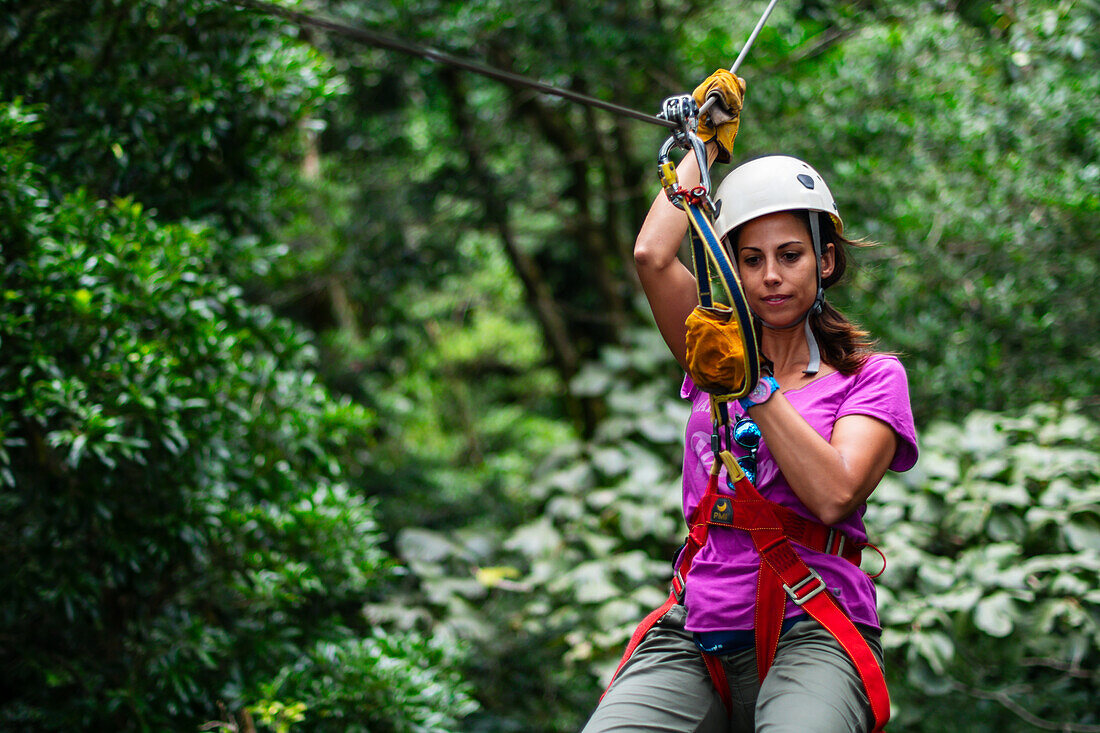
(815,353)
(819,300)
(814,365)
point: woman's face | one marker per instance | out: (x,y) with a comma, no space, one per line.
(775,259)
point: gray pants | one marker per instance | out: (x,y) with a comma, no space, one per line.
(812,687)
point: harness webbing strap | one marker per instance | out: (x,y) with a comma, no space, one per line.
(782,575)
(697,537)
(707,251)
(760,513)
(639,633)
(701,268)
(721,683)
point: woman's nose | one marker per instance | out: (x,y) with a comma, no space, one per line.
(771,271)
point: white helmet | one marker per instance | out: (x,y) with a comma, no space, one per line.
(768,185)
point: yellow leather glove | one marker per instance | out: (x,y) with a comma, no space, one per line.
(715,353)
(721,121)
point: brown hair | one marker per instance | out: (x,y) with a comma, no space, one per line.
(844,345)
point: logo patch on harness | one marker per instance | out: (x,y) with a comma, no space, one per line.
(722,511)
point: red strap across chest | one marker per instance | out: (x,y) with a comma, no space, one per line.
(748,514)
(783,574)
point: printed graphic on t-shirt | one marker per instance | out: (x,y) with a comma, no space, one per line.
(700,445)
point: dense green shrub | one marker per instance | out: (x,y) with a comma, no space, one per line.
(548,601)
(175,511)
(990,601)
(188,106)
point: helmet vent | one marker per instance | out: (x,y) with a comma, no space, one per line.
(806,180)
(717,208)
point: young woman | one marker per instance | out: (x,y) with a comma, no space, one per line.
(828,422)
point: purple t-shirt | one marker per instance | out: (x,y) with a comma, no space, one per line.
(721,588)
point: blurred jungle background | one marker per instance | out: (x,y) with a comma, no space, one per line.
(329,401)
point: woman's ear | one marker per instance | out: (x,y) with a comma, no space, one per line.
(828,260)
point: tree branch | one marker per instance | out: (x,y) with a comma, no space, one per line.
(1069,669)
(575,149)
(1003,697)
(496,212)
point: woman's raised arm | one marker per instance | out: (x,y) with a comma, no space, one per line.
(668,284)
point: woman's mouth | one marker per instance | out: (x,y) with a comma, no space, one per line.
(776,299)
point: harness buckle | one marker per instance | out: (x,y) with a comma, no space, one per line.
(793,591)
(678,586)
(834,543)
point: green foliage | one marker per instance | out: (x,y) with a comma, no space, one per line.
(990,598)
(180,104)
(279,716)
(382,682)
(175,504)
(549,602)
(964,149)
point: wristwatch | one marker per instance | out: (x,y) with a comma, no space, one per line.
(762,392)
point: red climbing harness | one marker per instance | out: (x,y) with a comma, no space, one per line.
(783,575)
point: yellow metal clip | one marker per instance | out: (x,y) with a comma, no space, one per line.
(732,467)
(667,173)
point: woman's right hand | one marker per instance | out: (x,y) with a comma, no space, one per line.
(721,122)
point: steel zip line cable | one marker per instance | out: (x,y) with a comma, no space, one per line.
(744,52)
(382,41)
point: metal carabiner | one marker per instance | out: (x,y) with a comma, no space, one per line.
(683,110)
